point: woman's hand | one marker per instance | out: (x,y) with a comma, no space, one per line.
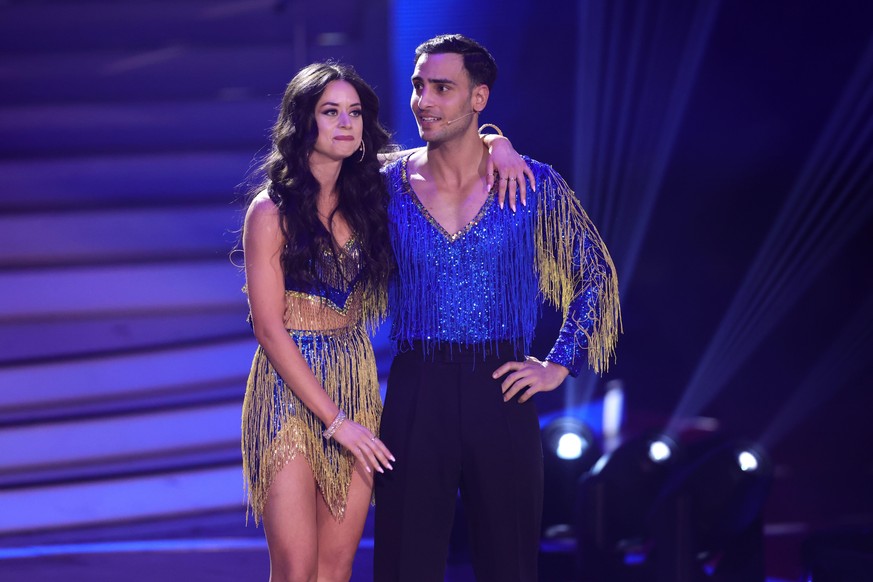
(508,168)
(364,445)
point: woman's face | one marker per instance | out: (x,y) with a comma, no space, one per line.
(339,117)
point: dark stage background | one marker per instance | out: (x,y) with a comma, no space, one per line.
(725,150)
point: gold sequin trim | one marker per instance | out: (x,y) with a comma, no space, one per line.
(324,301)
(407,187)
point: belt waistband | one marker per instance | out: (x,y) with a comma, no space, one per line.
(462,353)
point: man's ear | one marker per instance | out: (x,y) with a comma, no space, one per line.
(480,97)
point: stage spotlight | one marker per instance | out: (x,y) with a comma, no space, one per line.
(660,451)
(614,500)
(709,514)
(570,439)
(651,511)
(569,451)
(748,461)
(570,446)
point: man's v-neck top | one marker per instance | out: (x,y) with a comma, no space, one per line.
(484,285)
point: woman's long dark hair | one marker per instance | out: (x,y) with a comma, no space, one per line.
(362,195)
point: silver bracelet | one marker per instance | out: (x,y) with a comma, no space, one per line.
(334,426)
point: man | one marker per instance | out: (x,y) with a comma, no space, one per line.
(458,412)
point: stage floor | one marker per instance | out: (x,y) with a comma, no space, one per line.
(213,560)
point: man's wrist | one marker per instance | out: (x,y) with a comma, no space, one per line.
(559,368)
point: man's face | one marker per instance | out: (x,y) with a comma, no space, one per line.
(442,97)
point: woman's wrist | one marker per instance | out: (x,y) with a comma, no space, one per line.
(334,426)
(485,126)
(489,138)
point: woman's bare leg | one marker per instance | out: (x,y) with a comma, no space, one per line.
(338,541)
(290,524)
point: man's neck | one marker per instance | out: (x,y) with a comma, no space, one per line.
(455,162)
(449,180)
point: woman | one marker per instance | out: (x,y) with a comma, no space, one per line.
(317,261)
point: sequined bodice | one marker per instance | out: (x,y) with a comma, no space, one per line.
(335,301)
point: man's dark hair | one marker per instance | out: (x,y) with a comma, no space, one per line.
(480,65)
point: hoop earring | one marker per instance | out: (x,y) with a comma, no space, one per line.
(363,149)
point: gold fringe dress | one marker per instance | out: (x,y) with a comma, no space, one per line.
(330,324)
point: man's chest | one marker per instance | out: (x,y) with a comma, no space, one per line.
(455,211)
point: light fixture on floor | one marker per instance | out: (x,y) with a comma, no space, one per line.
(569,450)
(614,500)
(709,515)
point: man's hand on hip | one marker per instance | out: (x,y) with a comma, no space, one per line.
(532,374)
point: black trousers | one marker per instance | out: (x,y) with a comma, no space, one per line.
(447,424)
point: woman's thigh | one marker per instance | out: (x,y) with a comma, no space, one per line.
(290,521)
(338,540)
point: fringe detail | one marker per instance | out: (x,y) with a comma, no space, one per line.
(483,284)
(374,308)
(474,288)
(574,268)
(276,426)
